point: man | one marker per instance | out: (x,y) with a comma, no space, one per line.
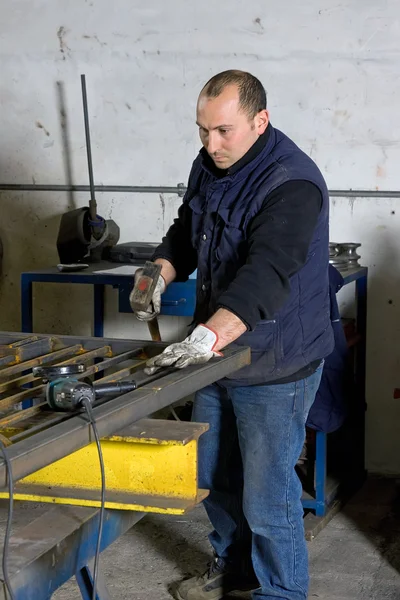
(254,222)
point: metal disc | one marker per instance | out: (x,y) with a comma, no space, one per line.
(58,371)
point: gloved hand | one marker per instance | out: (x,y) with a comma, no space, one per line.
(196,349)
(154,308)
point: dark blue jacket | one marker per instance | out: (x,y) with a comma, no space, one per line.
(300,332)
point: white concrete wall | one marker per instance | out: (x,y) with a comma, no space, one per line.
(332,71)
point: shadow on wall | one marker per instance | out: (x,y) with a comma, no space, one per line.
(29,226)
(28,229)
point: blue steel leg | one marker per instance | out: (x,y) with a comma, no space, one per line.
(26,304)
(85,583)
(320,473)
(360,367)
(98,310)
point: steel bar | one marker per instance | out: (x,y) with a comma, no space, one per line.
(54,443)
(163,189)
(82,357)
(49,420)
(13,418)
(28,340)
(92,203)
(25,352)
(53,357)
(40,360)
(7,360)
(39,389)
(127,372)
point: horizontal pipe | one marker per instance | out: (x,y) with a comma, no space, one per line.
(162,189)
(33,187)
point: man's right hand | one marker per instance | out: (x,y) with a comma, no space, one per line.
(154,308)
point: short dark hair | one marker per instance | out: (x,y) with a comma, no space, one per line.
(252,95)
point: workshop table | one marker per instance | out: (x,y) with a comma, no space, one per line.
(331,491)
(45,553)
(178,299)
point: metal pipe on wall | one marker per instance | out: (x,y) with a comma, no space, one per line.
(180,189)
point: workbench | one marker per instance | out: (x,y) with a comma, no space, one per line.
(326,494)
(178,300)
(327,491)
(150,464)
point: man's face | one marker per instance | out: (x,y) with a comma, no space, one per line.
(227,132)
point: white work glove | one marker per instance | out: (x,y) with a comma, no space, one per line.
(196,349)
(154,308)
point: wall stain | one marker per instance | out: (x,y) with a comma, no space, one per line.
(380,171)
(61,33)
(111,208)
(39,125)
(340,117)
(94,37)
(128,106)
(162,200)
(257,21)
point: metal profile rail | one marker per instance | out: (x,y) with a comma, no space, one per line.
(38,437)
(180,189)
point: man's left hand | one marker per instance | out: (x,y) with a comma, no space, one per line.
(196,349)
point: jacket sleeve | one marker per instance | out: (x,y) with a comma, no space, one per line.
(176,246)
(278,240)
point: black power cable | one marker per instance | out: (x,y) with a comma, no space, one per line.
(88,407)
(9,521)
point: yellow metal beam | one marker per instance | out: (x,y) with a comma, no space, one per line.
(150,466)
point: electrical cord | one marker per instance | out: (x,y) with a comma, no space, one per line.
(88,407)
(7,535)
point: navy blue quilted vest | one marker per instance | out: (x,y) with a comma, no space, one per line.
(222,208)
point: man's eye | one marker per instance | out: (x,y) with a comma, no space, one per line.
(223,131)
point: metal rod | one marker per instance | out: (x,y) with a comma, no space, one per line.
(162,189)
(92,203)
(30,187)
(40,360)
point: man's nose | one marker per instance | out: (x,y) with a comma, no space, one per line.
(213,142)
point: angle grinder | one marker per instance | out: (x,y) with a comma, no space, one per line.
(66,393)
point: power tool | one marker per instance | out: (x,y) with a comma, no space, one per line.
(66,393)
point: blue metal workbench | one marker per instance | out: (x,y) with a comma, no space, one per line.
(179,300)
(332,490)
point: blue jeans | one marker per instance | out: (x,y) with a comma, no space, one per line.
(247,460)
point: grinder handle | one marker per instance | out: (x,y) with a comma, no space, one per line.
(119,387)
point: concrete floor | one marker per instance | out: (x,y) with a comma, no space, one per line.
(357,556)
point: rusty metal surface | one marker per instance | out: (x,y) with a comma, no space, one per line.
(39,437)
(38,552)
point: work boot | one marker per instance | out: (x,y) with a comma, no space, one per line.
(214,584)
